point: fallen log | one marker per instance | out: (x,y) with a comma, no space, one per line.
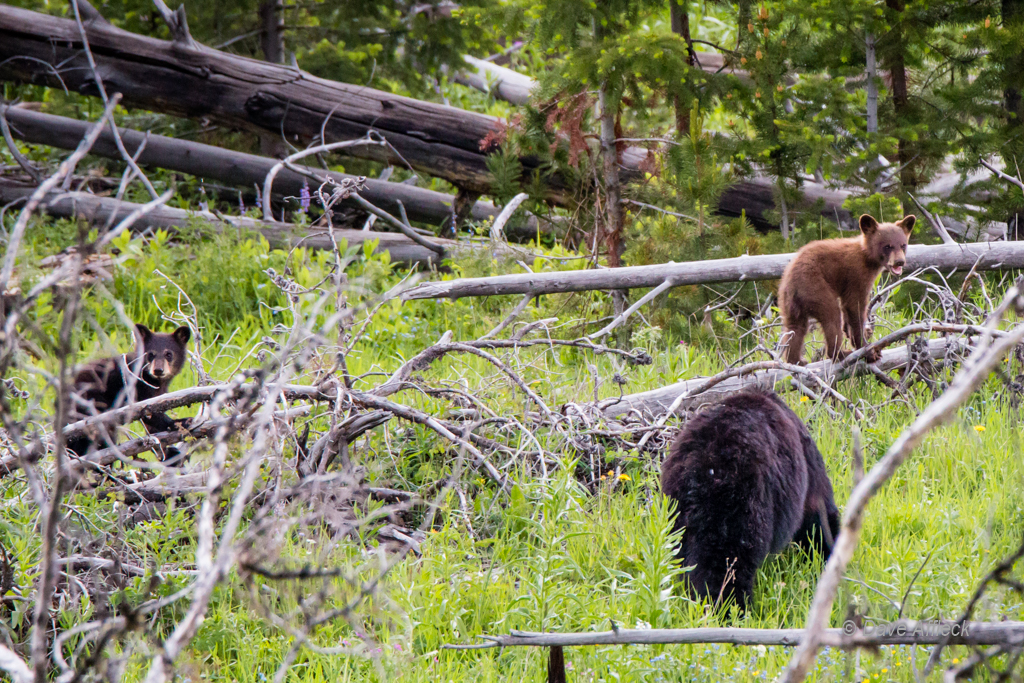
(977,255)
(657,402)
(235,168)
(200,82)
(195,81)
(902,632)
(101,210)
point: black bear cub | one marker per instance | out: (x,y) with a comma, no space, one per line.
(104,384)
(747,479)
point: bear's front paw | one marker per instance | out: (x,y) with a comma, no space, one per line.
(872,356)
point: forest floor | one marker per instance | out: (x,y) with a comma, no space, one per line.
(553,552)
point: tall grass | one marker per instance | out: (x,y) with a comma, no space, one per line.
(549,554)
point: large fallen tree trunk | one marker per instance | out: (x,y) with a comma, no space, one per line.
(657,401)
(197,81)
(227,166)
(103,210)
(978,255)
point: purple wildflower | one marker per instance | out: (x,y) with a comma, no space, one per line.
(304,197)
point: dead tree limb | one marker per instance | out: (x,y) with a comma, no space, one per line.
(101,210)
(978,255)
(513,87)
(196,81)
(904,632)
(228,166)
(657,401)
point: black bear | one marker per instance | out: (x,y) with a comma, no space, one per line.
(747,479)
(105,383)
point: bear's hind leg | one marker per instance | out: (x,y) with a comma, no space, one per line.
(793,337)
(832,328)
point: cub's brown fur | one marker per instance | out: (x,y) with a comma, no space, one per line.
(831,280)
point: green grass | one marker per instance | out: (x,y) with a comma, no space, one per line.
(550,554)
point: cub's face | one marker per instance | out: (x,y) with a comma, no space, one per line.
(886,243)
(163,355)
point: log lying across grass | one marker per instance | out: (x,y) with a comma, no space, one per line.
(902,632)
(657,401)
(227,166)
(977,255)
(103,210)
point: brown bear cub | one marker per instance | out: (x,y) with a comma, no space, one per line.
(831,280)
(747,480)
(107,383)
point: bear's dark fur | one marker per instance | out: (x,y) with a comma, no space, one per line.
(747,479)
(831,280)
(106,383)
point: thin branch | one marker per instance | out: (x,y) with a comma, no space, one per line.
(498,226)
(19,158)
(1002,176)
(934,221)
(402,227)
(622,317)
(268,182)
(15,666)
(519,308)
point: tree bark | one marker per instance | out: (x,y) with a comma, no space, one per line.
(104,210)
(908,633)
(1013,18)
(235,168)
(872,85)
(198,82)
(680,20)
(987,256)
(614,219)
(272,30)
(900,96)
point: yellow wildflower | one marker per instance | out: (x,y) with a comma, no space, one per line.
(979,428)
(804,399)
(624,477)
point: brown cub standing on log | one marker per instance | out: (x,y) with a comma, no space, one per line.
(831,280)
(105,384)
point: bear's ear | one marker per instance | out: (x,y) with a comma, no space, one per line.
(868,224)
(142,334)
(908,224)
(183,334)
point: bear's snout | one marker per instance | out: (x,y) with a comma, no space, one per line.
(895,263)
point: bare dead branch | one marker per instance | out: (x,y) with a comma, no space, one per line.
(904,632)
